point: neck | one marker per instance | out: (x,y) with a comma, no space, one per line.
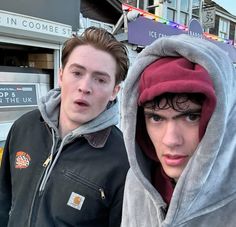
(65,126)
(63,130)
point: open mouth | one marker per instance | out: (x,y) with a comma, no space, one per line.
(175,160)
(82,103)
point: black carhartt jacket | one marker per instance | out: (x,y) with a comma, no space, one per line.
(46,181)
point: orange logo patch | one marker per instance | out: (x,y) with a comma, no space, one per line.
(76,201)
(22,160)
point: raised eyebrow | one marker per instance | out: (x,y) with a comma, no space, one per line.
(181,114)
(189,111)
(102,73)
(77,66)
(148,111)
(151,112)
(99,73)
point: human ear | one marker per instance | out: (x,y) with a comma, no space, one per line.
(60,77)
(115,92)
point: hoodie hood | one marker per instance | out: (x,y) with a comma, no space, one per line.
(178,75)
(49,107)
(209,176)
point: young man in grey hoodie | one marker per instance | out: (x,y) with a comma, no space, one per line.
(65,163)
(179,125)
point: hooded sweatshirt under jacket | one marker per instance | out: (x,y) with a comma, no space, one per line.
(47,181)
(205,194)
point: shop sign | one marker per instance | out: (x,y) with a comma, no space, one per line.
(208,17)
(17,95)
(195,28)
(144,31)
(27,23)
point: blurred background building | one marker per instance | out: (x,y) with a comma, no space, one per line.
(115,15)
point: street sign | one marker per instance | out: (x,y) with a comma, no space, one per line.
(208,17)
(195,28)
(17,95)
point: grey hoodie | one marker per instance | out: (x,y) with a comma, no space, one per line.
(49,106)
(205,194)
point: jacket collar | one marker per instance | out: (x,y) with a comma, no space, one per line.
(98,139)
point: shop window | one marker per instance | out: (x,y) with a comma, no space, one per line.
(184,10)
(235,35)
(171,14)
(184,6)
(171,10)
(196,8)
(18,56)
(131,2)
(223,28)
(172,4)
(196,3)
(183,18)
(152,6)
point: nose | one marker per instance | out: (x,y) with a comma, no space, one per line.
(85,85)
(172,136)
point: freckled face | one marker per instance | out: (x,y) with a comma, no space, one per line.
(175,136)
(87,85)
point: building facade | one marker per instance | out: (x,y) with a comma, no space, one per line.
(215,20)
(31,39)
(179,11)
(219,22)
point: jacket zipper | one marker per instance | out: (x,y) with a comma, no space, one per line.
(87,183)
(102,193)
(45,164)
(48,160)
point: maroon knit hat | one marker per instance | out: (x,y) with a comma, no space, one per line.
(178,75)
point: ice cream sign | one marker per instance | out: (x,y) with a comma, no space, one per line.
(13,95)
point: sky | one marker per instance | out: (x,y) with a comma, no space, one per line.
(229,5)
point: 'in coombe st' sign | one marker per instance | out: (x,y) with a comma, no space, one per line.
(27,23)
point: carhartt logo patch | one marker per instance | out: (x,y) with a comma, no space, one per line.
(22,160)
(76,201)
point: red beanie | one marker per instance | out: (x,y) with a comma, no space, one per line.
(178,75)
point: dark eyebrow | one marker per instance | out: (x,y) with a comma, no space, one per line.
(102,73)
(187,112)
(181,113)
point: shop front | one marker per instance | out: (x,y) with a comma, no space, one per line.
(143,31)
(29,63)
